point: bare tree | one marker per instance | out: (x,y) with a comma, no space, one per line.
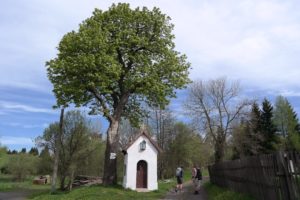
(162,123)
(126,133)
(215,104)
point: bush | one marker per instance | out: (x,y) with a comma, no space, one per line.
(45,165)
(3,160)
(22,165)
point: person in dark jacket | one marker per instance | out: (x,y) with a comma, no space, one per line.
(179,177)
(197,177)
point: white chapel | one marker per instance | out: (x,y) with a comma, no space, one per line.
(140,163)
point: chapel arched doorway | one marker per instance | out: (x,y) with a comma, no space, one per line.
(141,174)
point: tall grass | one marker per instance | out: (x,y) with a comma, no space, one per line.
(217,193)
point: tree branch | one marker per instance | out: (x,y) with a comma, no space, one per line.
(121,105)
(102,103)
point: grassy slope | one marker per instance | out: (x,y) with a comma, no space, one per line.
(217,193)
(108,193)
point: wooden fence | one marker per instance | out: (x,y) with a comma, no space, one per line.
(267,177)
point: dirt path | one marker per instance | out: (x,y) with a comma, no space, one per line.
(188,193)
(15,195)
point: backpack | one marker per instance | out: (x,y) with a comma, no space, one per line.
(178,171)
(199,174)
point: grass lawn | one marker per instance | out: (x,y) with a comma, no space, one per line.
(113,193)
(108,193)
(89,193)
(7,184)
(205,172)
(217,193)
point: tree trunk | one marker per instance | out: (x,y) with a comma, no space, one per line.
(161,166)
(110,165)
(56,153)
(62,182)
(72,172)
(219,149)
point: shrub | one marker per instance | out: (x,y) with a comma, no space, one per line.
(22,165)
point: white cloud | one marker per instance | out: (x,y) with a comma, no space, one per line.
(257,41)
(9,140)
(27,126)
(290,93)
(17,107)
(14,124)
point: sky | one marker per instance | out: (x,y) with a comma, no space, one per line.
(254,41)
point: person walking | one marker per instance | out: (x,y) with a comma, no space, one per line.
(197,177)
(179,177)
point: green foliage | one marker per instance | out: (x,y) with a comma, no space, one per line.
(217,193)
(23,150)
(45,165)
(93,164)
(14,152)
(3,158)
(247,138)
(286,121)
(117,59)
(256,134)
(115,63)
(22,165)
(255,118)
(185,150)
(180,148)
(268,129)
(240,144)
(34,151)
(78,144)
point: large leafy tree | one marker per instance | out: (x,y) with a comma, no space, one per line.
(118,59)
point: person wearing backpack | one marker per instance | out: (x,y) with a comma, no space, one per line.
(179,177)
(197,177)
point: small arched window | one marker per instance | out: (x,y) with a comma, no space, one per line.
(143,145)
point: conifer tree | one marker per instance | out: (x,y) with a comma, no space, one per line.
(250,139)
(267,128)
(255,124)
(23,150)
(34,151)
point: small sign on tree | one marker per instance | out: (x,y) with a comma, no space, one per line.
(113,156)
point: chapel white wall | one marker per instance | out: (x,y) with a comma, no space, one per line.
(131,159)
